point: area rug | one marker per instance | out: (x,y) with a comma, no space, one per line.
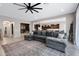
(30,48)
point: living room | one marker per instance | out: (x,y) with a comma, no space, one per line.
(48,30)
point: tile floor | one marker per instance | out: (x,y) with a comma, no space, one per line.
(7,41)
(71,50)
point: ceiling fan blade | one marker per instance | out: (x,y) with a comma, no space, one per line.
(26,11)
(29,4)
(35,11)
(36,4)
(31,11)
(19,4)
(25,4)
(38,8)
(21,8)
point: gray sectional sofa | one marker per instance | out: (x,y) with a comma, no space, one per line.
(56,43)
(50,38)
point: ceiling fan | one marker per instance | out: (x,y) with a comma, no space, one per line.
(29,7)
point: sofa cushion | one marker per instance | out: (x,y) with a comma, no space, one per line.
(52,34)
(39,32)
(48,33)
(61,36)
(39,36)
(56,39)
(61,32)
(55,34)
(43,33)
(35,32)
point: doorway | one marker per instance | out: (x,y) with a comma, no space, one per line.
(8,28)
(24,28)
(12,31)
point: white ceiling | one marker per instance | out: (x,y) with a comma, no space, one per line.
(49,10)
(55,21)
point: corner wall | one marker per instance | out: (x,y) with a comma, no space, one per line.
(77,27)
(69,19)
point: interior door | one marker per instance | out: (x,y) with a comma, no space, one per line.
(12,29)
